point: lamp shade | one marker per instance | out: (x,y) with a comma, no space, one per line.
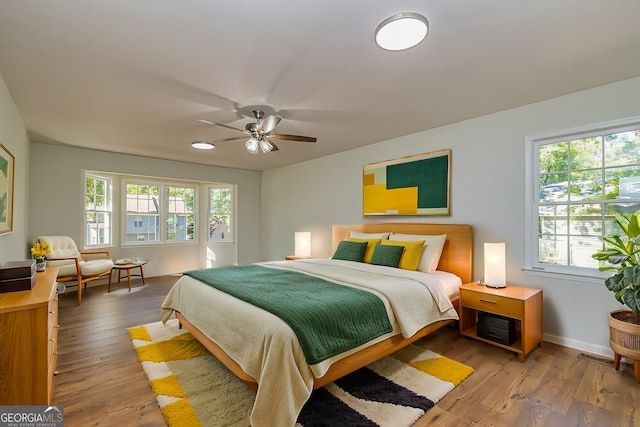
(303,244)
(265,146)
(495,270)
(252,145)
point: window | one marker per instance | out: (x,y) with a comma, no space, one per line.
(155,210)
(142,207)
(577,181)
(97,199)
(220,214)
(180,213)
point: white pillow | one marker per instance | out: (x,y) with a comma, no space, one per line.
(360,235)
(431,251)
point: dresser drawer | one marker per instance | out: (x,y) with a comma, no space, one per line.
(492,303)
(52,326)
(53,344)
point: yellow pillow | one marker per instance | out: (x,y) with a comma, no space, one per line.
(371,244)
(410,255)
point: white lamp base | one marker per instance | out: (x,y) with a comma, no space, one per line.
(495,285)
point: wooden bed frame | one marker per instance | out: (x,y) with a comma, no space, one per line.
(456,258)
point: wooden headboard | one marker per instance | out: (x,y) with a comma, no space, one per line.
(457,255)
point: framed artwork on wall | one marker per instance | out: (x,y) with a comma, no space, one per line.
(7,162)
(413,185)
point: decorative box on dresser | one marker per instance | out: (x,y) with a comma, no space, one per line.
(522,306)
(28,342)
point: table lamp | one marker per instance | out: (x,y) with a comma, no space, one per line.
(303,244)
(495,275)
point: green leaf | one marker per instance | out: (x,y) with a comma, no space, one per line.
(615,283)
(631,298)
(616,243)
(623,222)
(632,275)
(633,228)
(618,259)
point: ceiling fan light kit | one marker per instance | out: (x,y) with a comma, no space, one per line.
(265,146)
(402,31)
(203,145)
(260,136)
(252,145)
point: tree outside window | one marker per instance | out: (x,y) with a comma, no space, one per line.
(220,214)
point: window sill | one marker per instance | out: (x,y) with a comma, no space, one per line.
(574,277)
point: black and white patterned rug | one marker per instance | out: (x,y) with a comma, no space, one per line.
(394,391)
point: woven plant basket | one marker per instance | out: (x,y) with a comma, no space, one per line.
(624,333)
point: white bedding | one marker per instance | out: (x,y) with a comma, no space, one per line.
(266,347)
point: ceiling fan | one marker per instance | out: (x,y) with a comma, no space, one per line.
(260,136)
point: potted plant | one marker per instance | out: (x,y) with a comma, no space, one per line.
(621,254)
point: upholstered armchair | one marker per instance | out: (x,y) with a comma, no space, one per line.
(76,266)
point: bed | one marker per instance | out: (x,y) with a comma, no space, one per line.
(261,349)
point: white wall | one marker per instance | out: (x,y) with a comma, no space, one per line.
(487,191)
(13,135)
(57,204)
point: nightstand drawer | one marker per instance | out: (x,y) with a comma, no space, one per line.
(492,303)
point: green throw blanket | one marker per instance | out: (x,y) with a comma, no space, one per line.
(327,318)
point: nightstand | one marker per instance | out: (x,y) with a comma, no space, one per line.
(523,305)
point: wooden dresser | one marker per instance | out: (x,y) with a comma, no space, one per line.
(28,342)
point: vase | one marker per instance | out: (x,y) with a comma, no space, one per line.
(41,265)
(624,338)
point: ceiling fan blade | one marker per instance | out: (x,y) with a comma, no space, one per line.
(273,144)
(208,122)
(269,123)
(233,138)
(293,137)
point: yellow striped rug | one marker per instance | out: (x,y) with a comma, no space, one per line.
(194,389)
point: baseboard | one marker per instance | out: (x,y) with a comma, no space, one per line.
(583,346)
(579,345)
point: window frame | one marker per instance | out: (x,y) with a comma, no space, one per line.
(231,214)
(163,210)
(126,181)
(117,189)
(532,194)
(108,211)
(167,213)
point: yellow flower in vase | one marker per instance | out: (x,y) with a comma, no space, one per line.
(39,252)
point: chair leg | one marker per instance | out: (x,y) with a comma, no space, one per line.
(79,289)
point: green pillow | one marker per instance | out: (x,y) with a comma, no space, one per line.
(387,255)
(350,251)
(371,244)
(411,254)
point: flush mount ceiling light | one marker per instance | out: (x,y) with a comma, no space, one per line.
(202,145)
(402,31)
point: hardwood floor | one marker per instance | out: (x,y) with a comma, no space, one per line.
(101,382)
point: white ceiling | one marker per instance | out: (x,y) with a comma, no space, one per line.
(133,76)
